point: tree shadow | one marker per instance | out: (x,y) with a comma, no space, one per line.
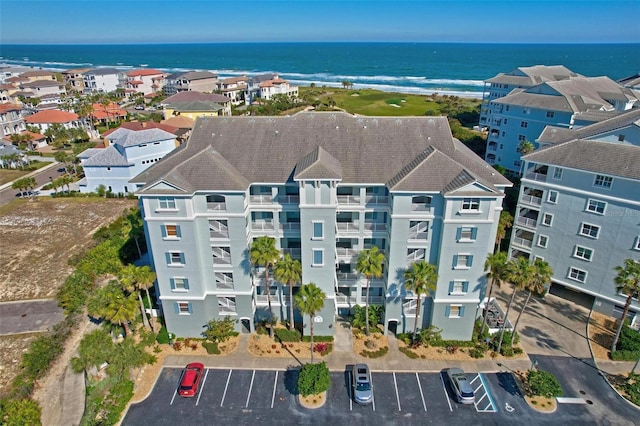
(542,339)
(291,379)
(508,383)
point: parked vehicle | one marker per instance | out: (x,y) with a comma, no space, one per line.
(139,107)
(191,378)
(361,378)
(460,385)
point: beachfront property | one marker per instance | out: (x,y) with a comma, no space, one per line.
(522,114)
(42,88)
(265,86)
(145,81)
(325,186)
(101,80)
(199,81)
(579,207)
(74,79)
(233,88)
(129,152)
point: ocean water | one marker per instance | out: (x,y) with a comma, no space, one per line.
(422,68)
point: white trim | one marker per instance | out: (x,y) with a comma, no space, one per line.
(586,273)
(313,252)
(545,215)
(539,244)
(587,235)
(553,191)
(313,230)
(604,210)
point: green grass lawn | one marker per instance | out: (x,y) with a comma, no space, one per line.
(9,175)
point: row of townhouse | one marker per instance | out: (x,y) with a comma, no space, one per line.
(324,186)
(579,206)
(518,105)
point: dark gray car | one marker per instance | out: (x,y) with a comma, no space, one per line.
(362,390)
(460,385)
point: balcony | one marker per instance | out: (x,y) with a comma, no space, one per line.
(261,199)
(261,299)
(372,200)
(220,256)
(538,177)
(492,146)
(415,256)
(409,308)
(226,305)
(347,277)
(417,207)
(375,227)
(216,206)
(348,200)
(295,253)
(223,282)
(263,226)
(348,227)
(531,199)
(290,227)
(527,221)
(218,229)
(346,254)
(344,299)
(288,199)
(523,238)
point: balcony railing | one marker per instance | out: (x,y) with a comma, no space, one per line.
(415,256)
(418,207)
(375,227)
(530,199)
(216,206)
(376,300)
(348,199)
(409,307)
(226,305)
(221,257)
(224,282)
(346,253)
(522,242)
(261,299)
(290,227)
(376,200)
(527,221)
(261,199)
(539,177)
(348,226)
(347,277)
(289,199)
(343,299)
(262,226)
(218,230)
(295,253)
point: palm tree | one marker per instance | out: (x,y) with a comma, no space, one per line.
(541,277)
(134,279)
(370,263)
(526,147)
(20,185)
(111,304)
(263,252)
(519,273)
(288,270)
(421,278)
(496,267)
(309,300)
(505,222)
(627,282)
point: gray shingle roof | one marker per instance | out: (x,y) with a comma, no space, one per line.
(195,106)
(192,75)
(318,164)
(110,156)
(125,137)
(103,71)
(595,156)
(557,135)
(531,76)
(370,150)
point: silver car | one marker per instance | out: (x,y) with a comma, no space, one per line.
(361,377)
(460,385)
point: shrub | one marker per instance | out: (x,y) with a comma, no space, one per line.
(477,352)
(177,346)
(544,383)
(314,379)
(431,336)
(624,355)
(359,317)
(408,352)
(375,354)
(317,339)
(163,336)
(219,330)
(211,347)
(286,335)
(632,388)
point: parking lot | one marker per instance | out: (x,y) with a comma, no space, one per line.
(270,397)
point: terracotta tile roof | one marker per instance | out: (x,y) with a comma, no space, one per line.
(143,72)
(34,136)
(179,121)
(9,107)
(51,116)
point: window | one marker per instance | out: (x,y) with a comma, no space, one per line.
(462,261)
(583,253)
(175,258)
(171,232)
(454,311)
(458,287)
(526,111)
(167,202)
(318,230)
(577,274)
(524,124)
(620,138)
(542,241)
(603,181)
(595,206)
(522,138)
(589,230)
(552,197)
(467,234)
(547,219)
(183,308)
(471,204)
(550,114)
(179,284)
(557,173)
(637,244)
(318,257)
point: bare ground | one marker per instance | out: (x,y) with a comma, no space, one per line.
(37,239)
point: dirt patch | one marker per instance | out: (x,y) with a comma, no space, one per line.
(375,342)
(313,401)
(459,354)
(601,334)
(264,346)
(11,349)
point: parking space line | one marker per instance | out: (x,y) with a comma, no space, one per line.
(490,407)
(175,392)
(250,387)
(444,388)
(424,404)
(224,394)
(350,390)
(395,385)
(204,380)
(373,394)
(275,383)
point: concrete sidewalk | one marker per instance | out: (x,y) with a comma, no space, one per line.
(343,355)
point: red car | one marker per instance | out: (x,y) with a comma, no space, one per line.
(191,377)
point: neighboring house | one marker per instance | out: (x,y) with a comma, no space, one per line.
(36,140)
(129,153)
(74,79)
(173,105)
(140,125)
(233,88)
(11,157)
(579,206)
(11,119)
(38,75)
(9,72)
(106,114)
(198,81)
(277,86)
(631,82)
(6,90)
(44,119)
(44,87)
(145,81)
(183,124)
(523,113)
(51,101)
(325,186)
(101,80)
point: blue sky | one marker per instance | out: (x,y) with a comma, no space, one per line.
(176,21)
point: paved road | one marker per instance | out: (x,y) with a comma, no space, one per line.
(29,316)
(42,178)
